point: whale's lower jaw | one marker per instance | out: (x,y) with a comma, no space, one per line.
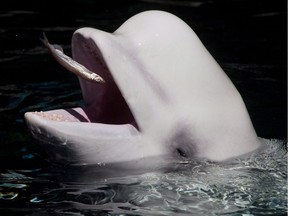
(65,150)
(115,156)
(85,143)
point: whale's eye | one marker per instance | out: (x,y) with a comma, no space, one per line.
(182,143)
(181,152)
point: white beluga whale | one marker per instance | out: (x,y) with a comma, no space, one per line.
(151,89)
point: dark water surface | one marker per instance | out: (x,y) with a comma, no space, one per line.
(247,38)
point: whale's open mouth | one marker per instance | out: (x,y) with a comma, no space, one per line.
(104,103)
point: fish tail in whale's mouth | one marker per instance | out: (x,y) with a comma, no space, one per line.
(104,102)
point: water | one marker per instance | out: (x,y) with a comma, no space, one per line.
(247,38)
(255,185)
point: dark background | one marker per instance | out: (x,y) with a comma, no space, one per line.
(248,38)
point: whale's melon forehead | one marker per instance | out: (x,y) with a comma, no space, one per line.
(151,22)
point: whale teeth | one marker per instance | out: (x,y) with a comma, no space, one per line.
(53,117)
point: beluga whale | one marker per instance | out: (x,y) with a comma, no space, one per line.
(151,90)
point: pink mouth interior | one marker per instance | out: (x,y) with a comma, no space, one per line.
(104,102)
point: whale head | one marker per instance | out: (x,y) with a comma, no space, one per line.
(164,96)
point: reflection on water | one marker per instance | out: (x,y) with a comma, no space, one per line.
(248,43)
